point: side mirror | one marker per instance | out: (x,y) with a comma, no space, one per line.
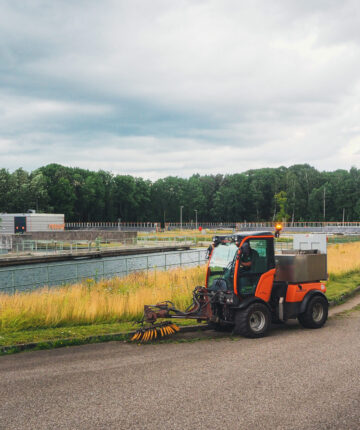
(208,252)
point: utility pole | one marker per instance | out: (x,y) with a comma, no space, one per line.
(195,218)
(181,208)
(324,203)
(293,214)
(343,216)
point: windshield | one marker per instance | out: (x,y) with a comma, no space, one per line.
(223,255)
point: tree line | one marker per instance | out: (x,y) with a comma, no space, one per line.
(299,193)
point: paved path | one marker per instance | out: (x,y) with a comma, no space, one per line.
(349,304)
(293,379)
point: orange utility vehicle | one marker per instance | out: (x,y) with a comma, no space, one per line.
(248,287)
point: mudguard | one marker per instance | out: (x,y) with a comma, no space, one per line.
(249,301)
(308,297)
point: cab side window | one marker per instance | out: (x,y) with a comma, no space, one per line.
(262,260)
(262,255)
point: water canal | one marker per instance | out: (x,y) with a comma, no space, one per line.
(31,276)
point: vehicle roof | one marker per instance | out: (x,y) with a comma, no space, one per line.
(253,233)
(242,234)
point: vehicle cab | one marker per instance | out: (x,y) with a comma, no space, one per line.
(246,287)
(237,262)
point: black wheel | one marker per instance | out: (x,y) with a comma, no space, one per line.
(254,321)
(316,313)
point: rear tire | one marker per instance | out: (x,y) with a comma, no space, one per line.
(254,321)
(316,313)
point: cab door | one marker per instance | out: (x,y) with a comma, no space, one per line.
(257,278)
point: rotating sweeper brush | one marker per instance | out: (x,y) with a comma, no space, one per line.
(145,334)
(199,309)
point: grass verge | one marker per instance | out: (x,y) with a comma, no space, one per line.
(46,338)
(339,288)
(106,301)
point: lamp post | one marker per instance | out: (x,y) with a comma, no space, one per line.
(181,208)
(195,218)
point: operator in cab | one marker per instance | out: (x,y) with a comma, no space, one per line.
(247,257)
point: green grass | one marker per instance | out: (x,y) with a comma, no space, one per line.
(343,239)
(339,286)
(77,333)
(8,337)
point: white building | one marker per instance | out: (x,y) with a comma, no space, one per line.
(28,222)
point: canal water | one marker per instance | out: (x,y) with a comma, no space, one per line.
(31,276)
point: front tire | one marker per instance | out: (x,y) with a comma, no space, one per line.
(253,322)
(316,313)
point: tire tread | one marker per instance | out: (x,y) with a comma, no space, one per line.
(242,326)
(306,320)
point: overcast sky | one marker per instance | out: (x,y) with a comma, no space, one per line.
(157,88)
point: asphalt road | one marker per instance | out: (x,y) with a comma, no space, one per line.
(293,379)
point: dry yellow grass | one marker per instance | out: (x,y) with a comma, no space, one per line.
(343,258)
(116,299)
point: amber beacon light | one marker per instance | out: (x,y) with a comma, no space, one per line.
(278,228)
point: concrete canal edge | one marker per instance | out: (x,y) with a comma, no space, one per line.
(125,336)
(86,254)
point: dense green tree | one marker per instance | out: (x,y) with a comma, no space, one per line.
(210,184)
(195,199)
(19,191)
(233,199)
(5,190)
(143,200)
(38,193)
(281,203)
(255,195)
(167,195)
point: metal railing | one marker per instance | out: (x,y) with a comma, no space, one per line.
(279,246)
(208,225)
(54,247)
(298,224)
(136,226)
(6,242)
(47,247)
(156,226)
(151,240)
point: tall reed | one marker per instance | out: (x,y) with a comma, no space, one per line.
(116,299)
(344,258)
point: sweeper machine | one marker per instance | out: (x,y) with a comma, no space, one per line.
(248,287)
